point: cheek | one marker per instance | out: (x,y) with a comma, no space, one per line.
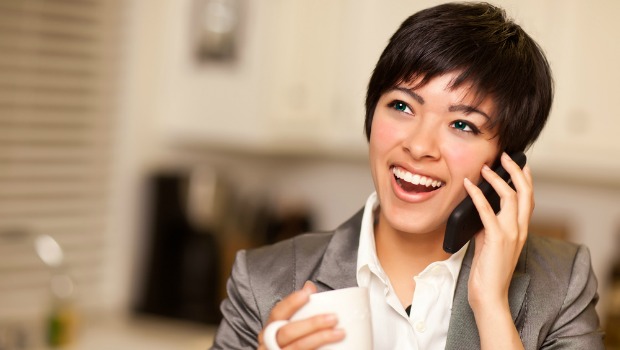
(384,135)
(466,162)
(384,138)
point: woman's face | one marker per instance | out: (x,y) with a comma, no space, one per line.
(423,143)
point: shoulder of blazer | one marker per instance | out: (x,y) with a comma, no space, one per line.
(549,261)
(550,265)
(276,270)
(279,261)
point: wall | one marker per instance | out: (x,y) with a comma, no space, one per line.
(174,113)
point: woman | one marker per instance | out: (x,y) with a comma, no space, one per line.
(457,87)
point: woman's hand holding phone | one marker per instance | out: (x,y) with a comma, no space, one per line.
(497,250)
(309,333)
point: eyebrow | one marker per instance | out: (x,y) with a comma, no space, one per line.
(411,93)
(455,108)
(468,110)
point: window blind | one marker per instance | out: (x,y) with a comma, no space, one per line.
(58,76)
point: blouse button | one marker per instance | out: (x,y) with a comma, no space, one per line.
(420,326)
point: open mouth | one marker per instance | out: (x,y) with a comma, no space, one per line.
(415,182)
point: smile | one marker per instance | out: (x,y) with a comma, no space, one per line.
(414,182)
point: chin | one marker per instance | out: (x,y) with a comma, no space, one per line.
(411,223)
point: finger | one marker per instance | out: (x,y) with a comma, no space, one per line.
(526,206)
(525,196)
(522,183)
(309,287)
(297,330)
(516,174)
(508,196)
(487,215)
(289,305)
(285,309)
(318,339)
(527,173)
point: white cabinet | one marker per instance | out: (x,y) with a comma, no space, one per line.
(299,83)
(304,100)
(580,140)
(300,56)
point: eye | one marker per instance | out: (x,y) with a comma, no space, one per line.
(464,126)
(401,106)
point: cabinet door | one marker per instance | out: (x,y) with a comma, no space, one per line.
(581,139)
(300,65)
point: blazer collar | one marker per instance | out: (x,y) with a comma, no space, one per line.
(337,269)
(462,332)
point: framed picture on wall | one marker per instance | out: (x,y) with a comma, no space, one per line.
(215,28)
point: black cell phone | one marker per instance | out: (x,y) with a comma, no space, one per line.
(464,221)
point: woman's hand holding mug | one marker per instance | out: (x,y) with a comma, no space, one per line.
(305,320)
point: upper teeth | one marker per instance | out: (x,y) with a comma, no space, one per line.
(415,178)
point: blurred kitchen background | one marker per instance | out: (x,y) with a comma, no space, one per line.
(143,142)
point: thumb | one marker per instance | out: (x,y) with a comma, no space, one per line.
(309,287)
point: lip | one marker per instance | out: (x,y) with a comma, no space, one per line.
(409,197)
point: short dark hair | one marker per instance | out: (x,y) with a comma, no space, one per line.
(490,51)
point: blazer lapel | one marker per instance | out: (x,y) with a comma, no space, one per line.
(463,332)
(338,268)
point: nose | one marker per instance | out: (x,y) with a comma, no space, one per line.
(423,141)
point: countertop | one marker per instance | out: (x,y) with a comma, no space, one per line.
(142,332)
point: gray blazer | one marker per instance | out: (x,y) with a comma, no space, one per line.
(552,294)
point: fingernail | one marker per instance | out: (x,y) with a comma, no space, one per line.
(505,156)
(486,168)
(330,318)
(467,181)
(307,288)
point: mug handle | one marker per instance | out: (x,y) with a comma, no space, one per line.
(270,334)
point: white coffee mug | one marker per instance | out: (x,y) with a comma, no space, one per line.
(352,308)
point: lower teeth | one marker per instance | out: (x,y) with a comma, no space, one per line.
(409,187)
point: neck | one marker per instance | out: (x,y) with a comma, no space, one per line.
(408,252)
